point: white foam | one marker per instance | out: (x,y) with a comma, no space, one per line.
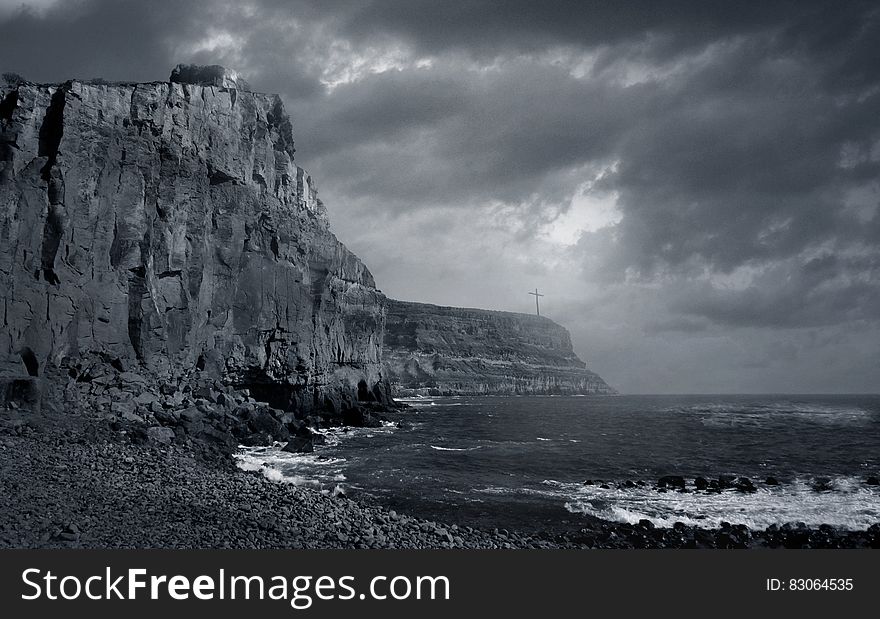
(312,469)
(248,462)
(850,505)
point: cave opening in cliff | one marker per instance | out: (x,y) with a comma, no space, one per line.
(364,394)
(281,396)
(30,361)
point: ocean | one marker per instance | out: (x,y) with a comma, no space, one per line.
(521,462)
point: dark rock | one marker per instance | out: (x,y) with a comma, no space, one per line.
(218,438)
(257,439)
(771,481)
(23,392)
(262,420)
(191,416)
(701,483)
(299,444)
(671,481)
(725,481)
(744,484)
(872,481)
(822,484)
(354,417)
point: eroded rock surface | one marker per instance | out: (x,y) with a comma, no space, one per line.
(165,227)
(430,349)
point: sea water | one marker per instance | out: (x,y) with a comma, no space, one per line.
(521,462)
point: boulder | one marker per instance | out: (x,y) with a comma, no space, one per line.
(299,444)
(671,481)
(744,484)
(161,435)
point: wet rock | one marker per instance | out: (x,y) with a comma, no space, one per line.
(771,481)
(725,481)
(701,483)
(671,481)
(822,484)
(257,439)
(744,484)
(354,417)
(299,444)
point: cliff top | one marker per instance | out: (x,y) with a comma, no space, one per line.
(213,75)
(415,306)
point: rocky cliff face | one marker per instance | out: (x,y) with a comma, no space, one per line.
(165,226)
(429,349)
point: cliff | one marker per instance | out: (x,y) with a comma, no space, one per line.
(458,351)
(165,227)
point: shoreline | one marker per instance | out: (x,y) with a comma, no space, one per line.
(79,481)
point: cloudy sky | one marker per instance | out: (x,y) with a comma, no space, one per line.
(693,185)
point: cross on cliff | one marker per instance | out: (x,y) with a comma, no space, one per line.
(537,307)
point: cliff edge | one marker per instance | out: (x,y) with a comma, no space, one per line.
(165,227)
(431,349)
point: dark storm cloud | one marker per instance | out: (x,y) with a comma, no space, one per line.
(741,142)
(116,40)
(467,136)
(487,27)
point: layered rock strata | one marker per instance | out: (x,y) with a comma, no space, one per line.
(430,349)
